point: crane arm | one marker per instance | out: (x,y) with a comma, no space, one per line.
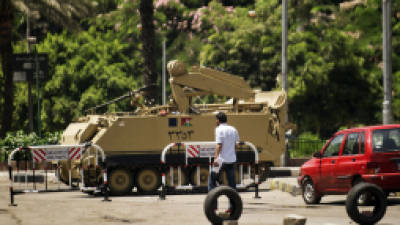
(201,80)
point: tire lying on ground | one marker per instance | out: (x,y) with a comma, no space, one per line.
(378,202)
(210,204)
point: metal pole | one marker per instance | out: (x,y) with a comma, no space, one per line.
(285,156)
(106,189)
(163,181)
(387,115)
(28,50)
(163,73)
(38,93)
(284,45)
(11,186)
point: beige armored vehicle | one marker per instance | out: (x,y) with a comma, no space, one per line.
(133,141)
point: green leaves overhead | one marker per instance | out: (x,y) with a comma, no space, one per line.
(335,56)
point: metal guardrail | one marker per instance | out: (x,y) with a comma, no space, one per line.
(204,149)
(34,155)
(3,155)
(304,147)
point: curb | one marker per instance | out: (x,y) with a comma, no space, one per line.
(294,190)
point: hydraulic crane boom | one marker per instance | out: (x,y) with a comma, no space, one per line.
(202,81)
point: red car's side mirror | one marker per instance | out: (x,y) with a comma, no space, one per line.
(317,155)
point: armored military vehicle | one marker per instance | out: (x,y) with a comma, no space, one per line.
(133,141)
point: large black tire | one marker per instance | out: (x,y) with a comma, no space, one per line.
(148,180)
(310,195)
(210,204)
(120,182)
(378,202)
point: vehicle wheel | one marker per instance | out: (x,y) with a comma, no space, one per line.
(62,172)
(120,182)
(148,180)
(184,177)
(310,195)
(364,199)
(366,215)
(204,172)
(211,200)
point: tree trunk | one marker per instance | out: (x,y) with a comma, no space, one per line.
(6,18)
(148,40)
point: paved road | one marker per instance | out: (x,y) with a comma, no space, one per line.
(76,208)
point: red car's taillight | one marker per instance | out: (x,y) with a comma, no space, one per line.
(372,167)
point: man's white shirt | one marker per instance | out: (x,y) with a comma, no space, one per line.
(227,136)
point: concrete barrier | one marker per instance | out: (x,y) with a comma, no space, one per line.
(293,219)
(230,222)
(284,186)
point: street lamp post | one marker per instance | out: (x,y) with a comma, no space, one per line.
(285,86)
(39,127)
(164,74)
(29,40)
(387,116)
(284,47)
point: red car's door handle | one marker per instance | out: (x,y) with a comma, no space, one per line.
(353,160)
(333,161)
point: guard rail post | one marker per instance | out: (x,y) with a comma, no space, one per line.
(11,187)
(106,190)
(163,168)
(256,195)
(256,178)
(163,181)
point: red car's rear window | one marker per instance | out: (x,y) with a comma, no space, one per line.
(386,140)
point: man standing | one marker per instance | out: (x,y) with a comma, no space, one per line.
(226,137)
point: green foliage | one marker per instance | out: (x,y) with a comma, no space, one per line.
(86,69)
(245,45)
(328,71)
(335,57)
(20,139)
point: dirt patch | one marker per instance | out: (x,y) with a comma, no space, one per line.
(108,218)
(3,211)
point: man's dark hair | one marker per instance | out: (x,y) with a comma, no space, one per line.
(221,117)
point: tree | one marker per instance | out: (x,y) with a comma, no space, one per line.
(6,20)
(87,69)
(64,13)
(242,44)
(146,10)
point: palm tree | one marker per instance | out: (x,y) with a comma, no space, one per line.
(146,10)
(65,13)
(6,19)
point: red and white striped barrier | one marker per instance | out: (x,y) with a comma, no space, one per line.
(74,153)
(47,153)
(202,150)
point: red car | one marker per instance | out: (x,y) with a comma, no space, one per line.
(366,154)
